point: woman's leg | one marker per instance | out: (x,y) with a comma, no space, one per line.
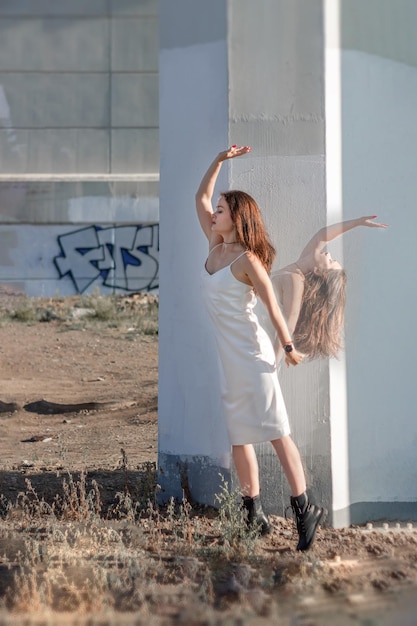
(247,469)
(290,460)
(308,515)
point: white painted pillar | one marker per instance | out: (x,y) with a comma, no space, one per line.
(236,72)
(337,368)
(379,163)
(329,110)
(193,128)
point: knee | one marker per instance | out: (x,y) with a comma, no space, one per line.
(284,445)
(282,441)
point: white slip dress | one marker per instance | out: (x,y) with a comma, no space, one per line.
(253,403)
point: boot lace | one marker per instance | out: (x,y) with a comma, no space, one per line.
(291,508)
(298,519)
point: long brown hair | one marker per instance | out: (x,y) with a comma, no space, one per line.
(250,228)
(319,326)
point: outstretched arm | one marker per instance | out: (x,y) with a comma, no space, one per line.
(204,195)
(328,233)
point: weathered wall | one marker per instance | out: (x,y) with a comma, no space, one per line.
(277,106)
(45,261)
(79,131)
(379,164)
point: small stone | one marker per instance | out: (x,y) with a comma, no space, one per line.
(308,601)
(79,312)
(27,463)
(356,598)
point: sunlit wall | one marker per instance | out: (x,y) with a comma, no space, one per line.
(325,93)
(379,164)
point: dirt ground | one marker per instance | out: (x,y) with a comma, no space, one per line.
(113,368)
(107,371)
(361,575)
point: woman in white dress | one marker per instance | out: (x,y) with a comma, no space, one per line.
(312,293)
(235,274)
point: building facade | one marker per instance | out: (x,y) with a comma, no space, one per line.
(79,146)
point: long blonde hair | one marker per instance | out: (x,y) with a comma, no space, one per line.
(250,228)
(319,326)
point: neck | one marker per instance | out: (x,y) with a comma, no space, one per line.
(228,242)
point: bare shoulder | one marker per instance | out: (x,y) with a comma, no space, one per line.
(290,275)
(249,261)
(250,258)
(248,268)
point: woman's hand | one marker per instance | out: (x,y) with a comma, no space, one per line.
(204,195)
(367,220)
(293,357)
(232,152)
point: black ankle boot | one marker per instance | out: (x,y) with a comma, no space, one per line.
(308,517)
(256,514)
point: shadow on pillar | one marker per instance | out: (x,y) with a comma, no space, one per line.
(195,478)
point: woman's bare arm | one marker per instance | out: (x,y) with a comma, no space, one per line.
(328,233)
(204,195)
(292,297)
(291,288)
(255,272)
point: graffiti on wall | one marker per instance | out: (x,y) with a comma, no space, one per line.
(120,257)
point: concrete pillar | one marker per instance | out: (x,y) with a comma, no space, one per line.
(334,197)
(276,103)
(194,118)
(325,92)
(378,132)
(236,72)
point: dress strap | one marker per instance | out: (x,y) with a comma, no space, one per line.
(238,257)
(213,248)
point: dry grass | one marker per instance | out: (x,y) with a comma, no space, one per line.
(138,311)
(72,560)
(160,564)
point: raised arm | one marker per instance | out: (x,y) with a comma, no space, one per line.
(328,233)
(204,195)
